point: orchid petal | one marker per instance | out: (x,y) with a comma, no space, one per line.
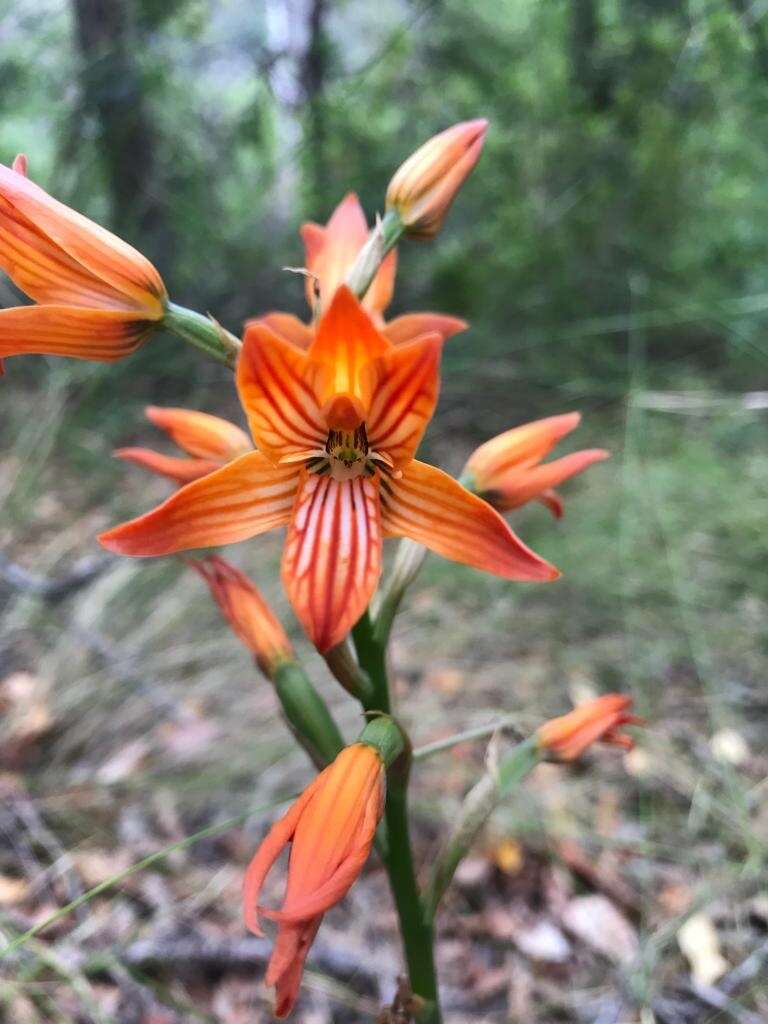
(404,397)
(180,470)
(433,509)
(96,250)
(103,335)
(340,361)
(409,326)
(332,558)
(271,380)
(244,498)
(199,433)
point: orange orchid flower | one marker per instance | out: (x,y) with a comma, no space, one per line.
(336,429)
(249,615)
(567,737)
(331,828)
(424,187)
(329,252)
(96,297)
(210,441)
(508,470)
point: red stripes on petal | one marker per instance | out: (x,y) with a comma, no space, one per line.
(282,411)
(404,397)
(433,509)
(332,558)
(99,334)
(99,252)
(244,498)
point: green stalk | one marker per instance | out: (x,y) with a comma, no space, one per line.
(203,332)
(307,713)
(416,929)
(382,238)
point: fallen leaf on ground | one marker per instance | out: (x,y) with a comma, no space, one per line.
(596,922)
(12,890)
(700,946)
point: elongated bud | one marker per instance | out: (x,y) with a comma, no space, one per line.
(424,187)
(508,470)
(331,829)
(21,164)
(249,615)
(567,737)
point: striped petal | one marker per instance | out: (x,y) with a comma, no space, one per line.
(433,509)
(332,558)
(54,231)
(282,411)
(330,251)
(413,325)
(199,433)
(518,486)
(103,335)
(341,358)
(404,398)
(286,326)
(520,446)
(244,498)
(180,470)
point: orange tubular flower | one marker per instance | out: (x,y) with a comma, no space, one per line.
(329,253)
(97,297)
(331,828)
(424,187)
(212,442)
(508,472)
(567,737)
(249,615)
(336,430)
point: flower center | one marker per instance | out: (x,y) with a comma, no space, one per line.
(347,456)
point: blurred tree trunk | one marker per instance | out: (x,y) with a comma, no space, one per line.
(589,75)
(314,71)
(112,94)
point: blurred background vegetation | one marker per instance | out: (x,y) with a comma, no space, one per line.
(610,253)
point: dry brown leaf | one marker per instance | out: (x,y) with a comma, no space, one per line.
(12,890)
(596,922)
(25,714)
(700,946)
(124,762)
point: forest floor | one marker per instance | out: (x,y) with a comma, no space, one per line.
(626,889)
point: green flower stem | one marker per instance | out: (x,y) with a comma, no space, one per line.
(408,562)
(203,332)
(382,238)
(344,667)
(416,927)
(383,733)
(500,778)
(307,713)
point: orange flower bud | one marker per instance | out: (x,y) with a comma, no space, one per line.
(331,828)
(210,441)
(97,297)
(508,471)
(424,187)
(567,737)
(249,615)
